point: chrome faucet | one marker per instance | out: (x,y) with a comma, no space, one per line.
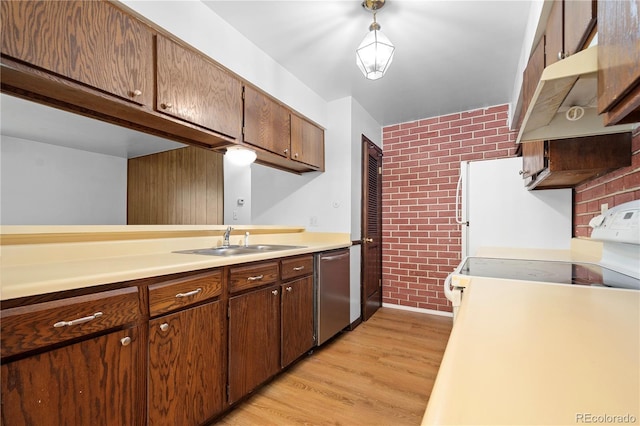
(225,243)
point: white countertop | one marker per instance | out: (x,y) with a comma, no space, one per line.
(533,353)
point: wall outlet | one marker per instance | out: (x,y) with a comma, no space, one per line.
(603,208)
(235,215)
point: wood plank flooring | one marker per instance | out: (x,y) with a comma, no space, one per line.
(379,374)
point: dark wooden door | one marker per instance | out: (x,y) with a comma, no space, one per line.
(186,366)
(297,319)
(554,34)
(93,382)
(371,288)
(91,42)
(254,340)
(579,21)
(192,88)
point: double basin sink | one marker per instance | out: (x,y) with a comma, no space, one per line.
(239,250)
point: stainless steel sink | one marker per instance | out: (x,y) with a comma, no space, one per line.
(239,250)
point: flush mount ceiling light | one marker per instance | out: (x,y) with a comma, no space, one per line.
(240,156)
(375,53)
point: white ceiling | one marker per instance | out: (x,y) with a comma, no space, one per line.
(451,55)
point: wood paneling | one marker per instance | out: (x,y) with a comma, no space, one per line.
(115,56)
(381,373)
(179,187)
(193,88)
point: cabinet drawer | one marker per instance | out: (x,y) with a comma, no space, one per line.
(246,277)
(30,327)
(175,294)
(297,267)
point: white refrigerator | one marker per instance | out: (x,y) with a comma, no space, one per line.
(496,210)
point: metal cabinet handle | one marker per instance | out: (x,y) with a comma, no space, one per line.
(521,172)
(295,155)
(274,292)
(164,326)
(125,341)
(256,278)
(286,150)
(136,93)
(298,268)
(189,293)
(77,321)
(168,105)
(288,288)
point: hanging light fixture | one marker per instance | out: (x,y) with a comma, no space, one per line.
(240,156)
(375,53)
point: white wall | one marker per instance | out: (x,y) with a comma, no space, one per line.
(237,186)
(321,202)
(44,184)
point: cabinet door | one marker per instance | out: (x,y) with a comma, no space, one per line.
(254,340)
(531,76)
(93,382)
(532,158)
(554,49)
(297,319)
(619,59)
(192,88)
(186,370)
(266,123)
(307,142)
(91,42)
(579,20)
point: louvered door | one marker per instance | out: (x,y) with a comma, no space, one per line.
(371,291)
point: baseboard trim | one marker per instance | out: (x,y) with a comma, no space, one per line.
(420,310)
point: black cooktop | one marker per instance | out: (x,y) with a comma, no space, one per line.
(548,271)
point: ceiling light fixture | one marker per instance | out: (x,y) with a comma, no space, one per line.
(240,156)
(375,53)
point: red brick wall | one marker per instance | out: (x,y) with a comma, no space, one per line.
(421,164)
(617,187)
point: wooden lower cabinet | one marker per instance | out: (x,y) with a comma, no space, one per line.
(92,382)
(186,366)
(254,340)
(297,319)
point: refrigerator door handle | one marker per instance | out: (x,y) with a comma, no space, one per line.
(459,216)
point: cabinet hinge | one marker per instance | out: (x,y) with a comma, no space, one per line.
(228,391)
(380,283)
(380,170)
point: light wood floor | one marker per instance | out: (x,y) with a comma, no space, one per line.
(379,374)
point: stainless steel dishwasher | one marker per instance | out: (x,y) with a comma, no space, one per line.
(332,293)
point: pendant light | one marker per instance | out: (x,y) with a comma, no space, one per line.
(375,53)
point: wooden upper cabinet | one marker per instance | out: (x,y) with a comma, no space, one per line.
(266,123)
(579,22)
(532,159)
(64,37)
(531,76)
(569,27)
(193,88)
(307,142)
(554,49)
(619,61)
